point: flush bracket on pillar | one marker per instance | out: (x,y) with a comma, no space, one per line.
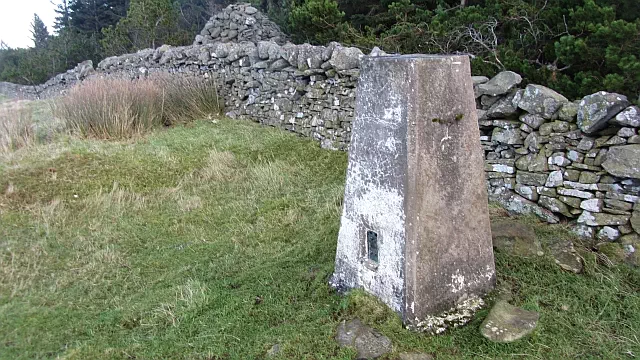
(371,248)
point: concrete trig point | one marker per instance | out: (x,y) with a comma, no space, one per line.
(415,227)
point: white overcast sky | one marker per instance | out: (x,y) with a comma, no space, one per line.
(16,17)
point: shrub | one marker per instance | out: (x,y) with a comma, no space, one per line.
(576,47)
(317,21)
(17,128)
(121,108)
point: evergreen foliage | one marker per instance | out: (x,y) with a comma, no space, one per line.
(148,24)
(316,20)
(39,33)
(81,26)
(574,46)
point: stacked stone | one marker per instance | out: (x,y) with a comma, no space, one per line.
(572,160)
(237,23)
(306,89)
(53,87)
(12,91)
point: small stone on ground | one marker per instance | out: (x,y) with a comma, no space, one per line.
(507,323)
(368,342)
(515,238)
(275,350)
(566,256)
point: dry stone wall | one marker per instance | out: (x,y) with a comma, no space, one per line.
(238,23)
(55,86)
(562,160)
(576,161)
(302,88)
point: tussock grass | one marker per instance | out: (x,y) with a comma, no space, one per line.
(117,200)
(24,123)
(187,97)
(220,165)
(120,108)
(217,242)
(111,108)
(17,128)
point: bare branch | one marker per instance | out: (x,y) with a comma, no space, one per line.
(483,36)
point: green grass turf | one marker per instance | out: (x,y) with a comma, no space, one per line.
(216,241)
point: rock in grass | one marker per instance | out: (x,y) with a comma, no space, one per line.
(515,238)
(368,342)
(565,256)
(274,351)
(507,323)
(568,260)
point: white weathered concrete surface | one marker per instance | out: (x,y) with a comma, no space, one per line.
(415,177)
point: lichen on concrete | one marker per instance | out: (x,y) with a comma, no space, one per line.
(455,317)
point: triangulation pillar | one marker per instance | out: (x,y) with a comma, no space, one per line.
(415,227)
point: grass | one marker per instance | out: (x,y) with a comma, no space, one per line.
(24,123)
(216,241)
(121,108)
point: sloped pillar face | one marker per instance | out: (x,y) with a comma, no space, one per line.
(449,254)
(370,251)
(415,229)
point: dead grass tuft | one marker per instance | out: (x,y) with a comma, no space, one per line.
(188,297)
(116,201)
(121,108)
(10,189)
(17,128)
(48,215)
(189,203)
(220,165)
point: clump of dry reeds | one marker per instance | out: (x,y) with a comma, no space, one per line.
(17,128)
(121,108)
